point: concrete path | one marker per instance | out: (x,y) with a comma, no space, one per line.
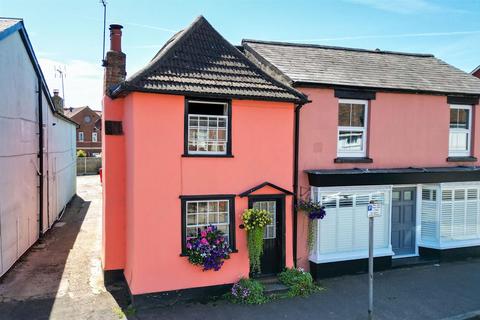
(61,278)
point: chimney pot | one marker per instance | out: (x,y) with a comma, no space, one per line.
(116,37)
(115,60)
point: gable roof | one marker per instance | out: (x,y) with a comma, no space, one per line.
(260,186)
(199,61)
(305,64)
(9,26)
(475,70)
(75,111)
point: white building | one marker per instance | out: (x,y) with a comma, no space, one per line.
(37,149)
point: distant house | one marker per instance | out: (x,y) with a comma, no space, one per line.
(476,72)
(37,148)
(207,130)
(89,131)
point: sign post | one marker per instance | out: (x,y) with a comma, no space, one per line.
(373,210)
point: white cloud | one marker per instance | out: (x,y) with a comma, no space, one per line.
(399,6)
(83,81)
(392,36)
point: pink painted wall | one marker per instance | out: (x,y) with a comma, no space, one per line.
(404,130)
(113,166)
(156,175)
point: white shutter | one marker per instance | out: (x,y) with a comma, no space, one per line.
(460,216)
(429,223)
(343,233)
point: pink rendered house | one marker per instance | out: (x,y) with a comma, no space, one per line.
(207,129)
(396,128)
(195,138)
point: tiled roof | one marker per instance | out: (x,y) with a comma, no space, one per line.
(324,65)
(6,23)
(199,61)
(70,112)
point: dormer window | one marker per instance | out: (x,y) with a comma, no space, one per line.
(207,126)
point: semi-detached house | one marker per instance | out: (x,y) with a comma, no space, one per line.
(207,130)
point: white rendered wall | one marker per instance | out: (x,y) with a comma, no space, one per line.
(19,185)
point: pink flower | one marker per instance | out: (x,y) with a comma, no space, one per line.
(209,229)
(189,245)
(203,234)
(222,239)
(204,241)
(217,241)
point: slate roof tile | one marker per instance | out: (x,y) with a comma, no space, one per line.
(324,65)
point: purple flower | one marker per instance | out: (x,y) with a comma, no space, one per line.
(208,249)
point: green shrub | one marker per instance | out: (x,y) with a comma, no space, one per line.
(247,291)
(81,154)
(300,282)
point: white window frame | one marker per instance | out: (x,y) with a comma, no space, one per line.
(225,104)
(353,154)
(81,136)
(456,153)
(94,137)
(207,213)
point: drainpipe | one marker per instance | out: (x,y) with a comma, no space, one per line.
(40,156)
(295,180)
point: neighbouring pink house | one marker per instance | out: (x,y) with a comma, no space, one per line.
(207,129)
(396,128)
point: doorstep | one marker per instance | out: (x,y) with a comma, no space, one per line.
(272,285)
(413,262)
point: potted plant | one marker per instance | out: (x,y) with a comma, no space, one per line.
(314,211)
(254,221)
(208,249)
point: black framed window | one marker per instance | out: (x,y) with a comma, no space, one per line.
(208,128)
(200,211)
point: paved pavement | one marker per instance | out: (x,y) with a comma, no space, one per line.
(60,278)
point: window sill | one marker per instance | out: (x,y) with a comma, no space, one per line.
(186,255)
(207,155)
(352,160)
(462,159)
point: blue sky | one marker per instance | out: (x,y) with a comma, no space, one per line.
(69,32)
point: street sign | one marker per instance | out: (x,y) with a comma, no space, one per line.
(374,209)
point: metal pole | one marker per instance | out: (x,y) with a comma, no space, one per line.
(370,267)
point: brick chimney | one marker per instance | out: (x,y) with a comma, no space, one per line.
(115,60)
(57,101)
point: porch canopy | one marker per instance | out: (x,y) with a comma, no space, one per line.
(359,177)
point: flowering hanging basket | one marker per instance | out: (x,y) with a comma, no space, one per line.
(315,211)
(209,249)
(255,221)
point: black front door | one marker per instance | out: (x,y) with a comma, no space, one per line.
(403,221)
(273,260)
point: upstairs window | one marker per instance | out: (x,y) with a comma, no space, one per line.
(460,131)
(352,128)
(94,137)
(81,137)
(208,128)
